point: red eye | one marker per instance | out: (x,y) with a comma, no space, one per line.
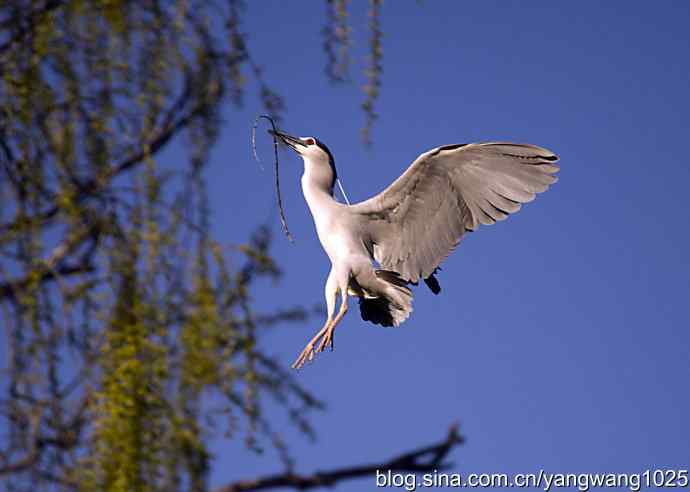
(310,141)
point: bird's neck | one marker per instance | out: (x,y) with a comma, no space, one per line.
(317,187)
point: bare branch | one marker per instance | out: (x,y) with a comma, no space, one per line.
(32,454)
(421,460)
(66,438)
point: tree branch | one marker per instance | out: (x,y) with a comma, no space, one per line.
(8,289)
(421,460)
(52,267)
(173,124)
(66,437)
(28,24)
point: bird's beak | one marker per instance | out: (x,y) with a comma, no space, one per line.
(293,142)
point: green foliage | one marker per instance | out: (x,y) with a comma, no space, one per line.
(129,404)
(131,342)
(201,337)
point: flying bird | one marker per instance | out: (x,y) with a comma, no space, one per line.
(380,247)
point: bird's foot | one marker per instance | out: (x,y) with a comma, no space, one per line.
(323,338)
(307,355)
(326,340)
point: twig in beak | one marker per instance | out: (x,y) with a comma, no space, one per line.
(283,221)
(256,156)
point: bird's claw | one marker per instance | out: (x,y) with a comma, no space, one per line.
(326,340)
(308,354)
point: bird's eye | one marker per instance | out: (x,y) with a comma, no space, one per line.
(310,141)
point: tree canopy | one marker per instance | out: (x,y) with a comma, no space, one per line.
(130,333)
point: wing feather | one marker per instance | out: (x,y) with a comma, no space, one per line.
(418,220)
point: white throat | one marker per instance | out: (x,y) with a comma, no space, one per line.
(317,184)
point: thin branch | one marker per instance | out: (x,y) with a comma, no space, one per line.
(33,453)
(421,460)
(29,23)
(7,289)
(159,139)
(51,267)
(66,438)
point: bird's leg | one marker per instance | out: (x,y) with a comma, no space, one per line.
(331,291)
(328,337)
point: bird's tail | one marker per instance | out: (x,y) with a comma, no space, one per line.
(393,304)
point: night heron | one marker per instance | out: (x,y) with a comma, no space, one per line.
(381,246)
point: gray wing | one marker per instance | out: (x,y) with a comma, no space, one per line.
(416,222)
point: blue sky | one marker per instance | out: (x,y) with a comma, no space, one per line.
(561,338)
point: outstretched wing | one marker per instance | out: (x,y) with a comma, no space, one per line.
(416,222)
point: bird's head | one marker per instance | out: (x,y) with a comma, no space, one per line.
(317,158)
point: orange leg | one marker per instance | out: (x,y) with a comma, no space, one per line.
(329,335)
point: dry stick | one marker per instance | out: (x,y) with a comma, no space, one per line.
(277,175)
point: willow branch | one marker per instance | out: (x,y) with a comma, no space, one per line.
(171,127)
(374,71)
